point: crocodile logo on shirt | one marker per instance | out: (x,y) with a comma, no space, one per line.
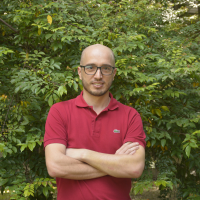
(116,131)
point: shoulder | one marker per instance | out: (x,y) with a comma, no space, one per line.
(63,104)
(62,108)
(125,108)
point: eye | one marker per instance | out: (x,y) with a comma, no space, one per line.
(106,68)
(90,67)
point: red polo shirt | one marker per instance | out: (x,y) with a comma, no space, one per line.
(76,125)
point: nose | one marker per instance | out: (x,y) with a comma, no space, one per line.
(98,74)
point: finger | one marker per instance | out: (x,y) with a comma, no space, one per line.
(131,150)
(123,148)
(127,146)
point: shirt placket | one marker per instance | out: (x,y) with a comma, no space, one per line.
(95,123)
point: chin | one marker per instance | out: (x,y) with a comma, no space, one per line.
(97,93)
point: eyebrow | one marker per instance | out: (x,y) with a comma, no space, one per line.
(101,65)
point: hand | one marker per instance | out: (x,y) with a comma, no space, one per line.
(75,153)
(129,148)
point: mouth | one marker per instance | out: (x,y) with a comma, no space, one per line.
(97,85)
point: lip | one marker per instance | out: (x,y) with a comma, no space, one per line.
(97,84)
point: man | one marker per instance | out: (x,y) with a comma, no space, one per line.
(94,145)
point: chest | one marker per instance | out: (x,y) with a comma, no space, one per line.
(103,133)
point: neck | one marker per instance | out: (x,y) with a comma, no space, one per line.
(99,103)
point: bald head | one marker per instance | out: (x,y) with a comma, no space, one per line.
(95,50)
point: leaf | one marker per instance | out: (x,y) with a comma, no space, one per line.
(32,145)
(160,182)
(49,19)
(26,121)
(153,142)
(169,125)
(62,90)
(17,89)
(148,144)
(193,145)
(165,108)
(163,142)
(141,46)
(187,150)
(47,36)
(50,101)
(196,132)
(39,31)
(57,65)
(75,85)
(23,147)
(45,191)
(3,181)
(158,112)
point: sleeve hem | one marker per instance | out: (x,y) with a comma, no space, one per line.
(51,141)
(142,143)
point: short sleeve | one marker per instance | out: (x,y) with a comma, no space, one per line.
(135,132)
(55,127)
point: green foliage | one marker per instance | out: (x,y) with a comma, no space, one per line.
(158,68)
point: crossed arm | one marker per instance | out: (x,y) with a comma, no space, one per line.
(80,164)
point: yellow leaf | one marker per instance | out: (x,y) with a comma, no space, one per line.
(3,33)
(195,84)
(26,55)
(165,108)
(147,102)
(39,31)
(137,102)
(120,6)
(148,144)
(158,112)
(149,121)
(49,19)
(152,111)
(136,85)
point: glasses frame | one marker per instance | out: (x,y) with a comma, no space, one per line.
(97,70)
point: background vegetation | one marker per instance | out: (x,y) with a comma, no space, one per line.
(158,59)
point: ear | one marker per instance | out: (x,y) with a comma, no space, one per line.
(114,72)
(79,73)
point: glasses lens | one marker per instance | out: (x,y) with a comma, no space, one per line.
(89,69)
(106,70)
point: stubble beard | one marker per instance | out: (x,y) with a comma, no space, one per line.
(95,93)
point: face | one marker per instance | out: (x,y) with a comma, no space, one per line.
(97,84)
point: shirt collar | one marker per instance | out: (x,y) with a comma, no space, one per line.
(80,102)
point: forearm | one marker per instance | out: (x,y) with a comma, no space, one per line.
(62,166)
(121,166)
(77,170)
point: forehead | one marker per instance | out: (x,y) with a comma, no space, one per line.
(98,56)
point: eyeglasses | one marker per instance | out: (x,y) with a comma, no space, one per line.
(92,69)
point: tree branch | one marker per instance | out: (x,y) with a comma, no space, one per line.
(76,27)
(9,25)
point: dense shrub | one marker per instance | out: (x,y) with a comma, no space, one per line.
(158,61)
